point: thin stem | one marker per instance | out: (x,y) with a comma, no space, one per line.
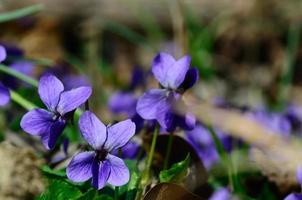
(223,156)
(169,148)
(152,150)
(116,193)
(287,72)
(21,101)
(18,75)
(16,14)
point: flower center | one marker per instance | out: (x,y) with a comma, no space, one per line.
(57,117)
(101,154)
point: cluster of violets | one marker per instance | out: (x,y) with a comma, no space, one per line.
(156,106)
(101,164)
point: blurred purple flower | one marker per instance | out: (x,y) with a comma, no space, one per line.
(175,77)
(69,80)
(2,53)
(294,115)
(24,67)
(4,95)
(4,92)
(74,81)
(138,78)
(49,124)
(276,122)
(221,194)
(100,164)
(62,154)
(124,102)
(294,196)
(129,151)
(12,50)
(201,140)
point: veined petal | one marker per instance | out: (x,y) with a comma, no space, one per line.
(50,88)
(100,174)
(4,95)
(36,122)
(92,129)
(50,138)
(160,67)
(72,99)
(2,53)
(80,167)
(119,172)
(152,102)
(177,73)
(55,131)
(119,134)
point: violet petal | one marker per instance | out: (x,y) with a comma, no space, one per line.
(151,103)
(92,130)
(119,172)
(100,174)
(72,99)
(50,88)
(36,122)
(119,134)
(160,67)
(80,167)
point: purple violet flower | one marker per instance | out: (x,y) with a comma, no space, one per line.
(123,103)
(129,151)
(276,122)
(4,95)
(201,141)
(2,53)
(100,164)
(4,92)
(175,77)
(49,124)
(221,194)
(294,196)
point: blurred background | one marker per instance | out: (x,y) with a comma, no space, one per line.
(248,53)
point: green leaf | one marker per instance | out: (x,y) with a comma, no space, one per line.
(132,184)
(90,194)
(176,172)
(51,173)
(103,197)
(60,190)
(23,12)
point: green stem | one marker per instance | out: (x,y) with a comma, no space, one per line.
(223,156)
(169,148)
(116,193)
(21,101)
(146,173)
(23,12)
(152,150)
(18,75)
(293,39)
